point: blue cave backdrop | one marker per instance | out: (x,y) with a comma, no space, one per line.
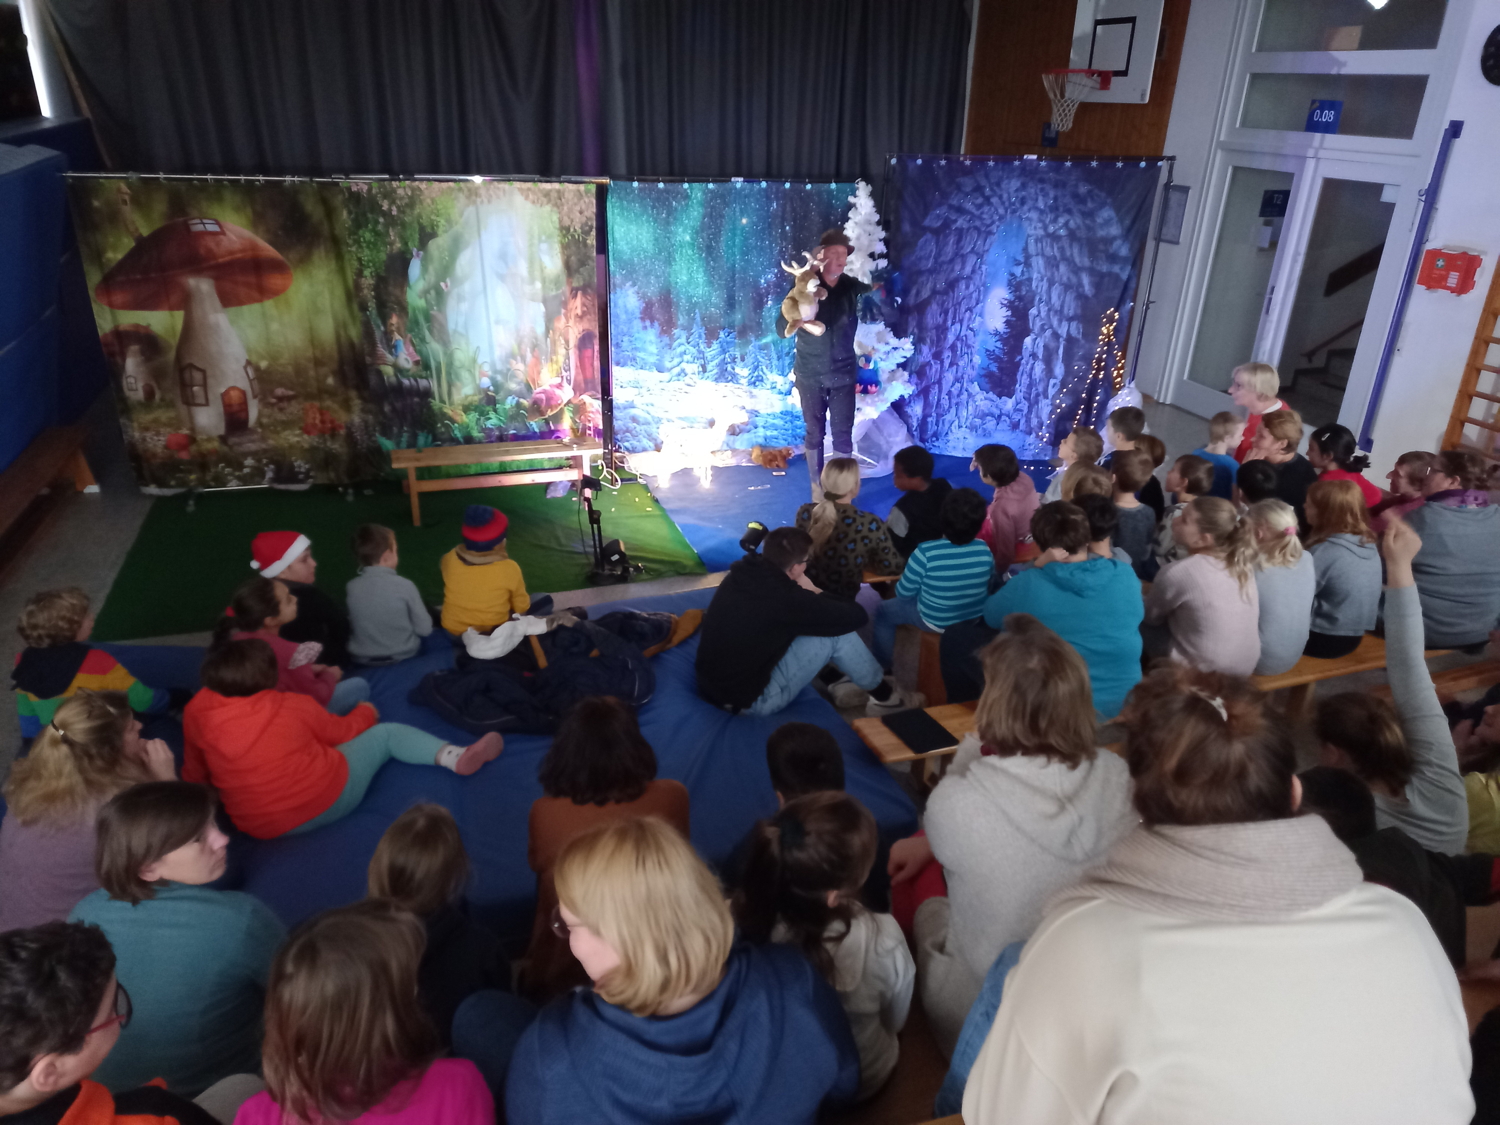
(695,285)
(1016,280)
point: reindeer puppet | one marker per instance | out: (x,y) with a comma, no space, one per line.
(800,309)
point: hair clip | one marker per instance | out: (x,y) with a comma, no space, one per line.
(1214,701)
(1289,532)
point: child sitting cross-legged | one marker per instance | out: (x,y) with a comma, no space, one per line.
(1015,502)
(801,887)
(57,661)
(482,584)
(1131,469)
(385,610)
(283,764)
(1190,477)
(346,1037)
(945,580)
(259,608)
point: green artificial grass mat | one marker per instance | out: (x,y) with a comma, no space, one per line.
(185,563)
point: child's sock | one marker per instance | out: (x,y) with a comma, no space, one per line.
(464,760)
(882,691)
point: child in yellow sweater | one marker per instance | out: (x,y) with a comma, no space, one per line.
(482,586)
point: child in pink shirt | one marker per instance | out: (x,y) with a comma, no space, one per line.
(346,1037)
(1015,502)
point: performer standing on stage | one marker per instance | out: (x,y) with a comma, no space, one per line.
(825,368)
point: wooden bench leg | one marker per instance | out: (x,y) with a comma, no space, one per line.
(83,477)
(416,497)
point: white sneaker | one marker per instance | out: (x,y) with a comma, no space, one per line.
(900,700)
(845,693)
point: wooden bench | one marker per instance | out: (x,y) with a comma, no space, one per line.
(1452,681)
(957,718)
(54,454)
(1302,679)
(496,453)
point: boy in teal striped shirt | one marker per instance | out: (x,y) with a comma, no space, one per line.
(945,581)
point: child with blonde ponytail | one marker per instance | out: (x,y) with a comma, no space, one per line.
(847,543)
(1206,608)
(1285,581)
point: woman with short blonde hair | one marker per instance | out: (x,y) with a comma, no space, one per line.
(1285,582)
(1253,387)
(847,543)
(647,920)
(91,750)
(1026,807)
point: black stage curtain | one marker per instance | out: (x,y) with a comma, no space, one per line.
(822,89)
(683,88)
(329,87)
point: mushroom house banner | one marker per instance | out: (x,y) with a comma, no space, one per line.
(1016,280)
(291,333)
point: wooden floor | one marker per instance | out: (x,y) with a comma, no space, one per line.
(907,1098)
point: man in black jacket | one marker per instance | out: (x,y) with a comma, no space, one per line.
(769,631)
(825,368)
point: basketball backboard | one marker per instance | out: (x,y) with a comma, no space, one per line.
(1119,36)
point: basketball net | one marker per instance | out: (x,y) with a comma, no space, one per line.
(1066,88)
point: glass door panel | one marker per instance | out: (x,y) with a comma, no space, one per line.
(1344,247)
(1236,295)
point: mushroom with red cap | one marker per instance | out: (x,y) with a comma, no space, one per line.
(202,266)
(136,353)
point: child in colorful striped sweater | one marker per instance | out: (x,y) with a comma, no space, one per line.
(57,661)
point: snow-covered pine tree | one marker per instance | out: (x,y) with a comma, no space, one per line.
(863,230)
(723,356)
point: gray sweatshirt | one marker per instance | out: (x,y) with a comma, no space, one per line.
(387,616)
(1456,572)
(1435,812)
(1347,603)
(1286,601)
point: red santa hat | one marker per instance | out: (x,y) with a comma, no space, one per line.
(274,551)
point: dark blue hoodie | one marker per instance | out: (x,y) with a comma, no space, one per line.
(769,1045)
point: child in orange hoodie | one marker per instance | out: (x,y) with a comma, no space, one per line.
(284,764)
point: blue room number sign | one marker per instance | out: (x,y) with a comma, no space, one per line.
(1323,116)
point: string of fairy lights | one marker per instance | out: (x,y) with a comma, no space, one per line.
(1093,398)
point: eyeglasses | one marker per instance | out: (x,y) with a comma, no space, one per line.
(122,1011)
(559,927)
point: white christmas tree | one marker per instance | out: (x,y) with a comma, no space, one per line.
(864,231)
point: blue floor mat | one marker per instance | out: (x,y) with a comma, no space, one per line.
(719,757)
(713,519)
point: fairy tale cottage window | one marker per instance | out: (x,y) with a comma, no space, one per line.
(207,226)
(194,381)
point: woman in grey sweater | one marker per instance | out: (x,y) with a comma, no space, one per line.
(1286,581)
(1347,602)
(1405,753)
(1456,572)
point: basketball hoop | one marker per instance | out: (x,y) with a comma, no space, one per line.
(1066,88)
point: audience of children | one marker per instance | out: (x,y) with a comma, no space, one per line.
(1224,432)
(1405,752)
(1347,602)
(1460,532)
(57,661)
(420,866)
(1026,807)
(801,886)
(683,1022)
(600,768)
(319,619)
(259,610)
(1081,446)
(1406,477)
(281,763)
(1225,927)
(194,960)
(1206,608)
(1135,531)
(1276,442)
(61,1013)
(914,517)
(347,1038)
(89,751)
(1008,520)
(945,580)
(1333,451)
(1286,581)
(387,616)
(847,543)
(482,585)
(769,632)
(1253,388)
(1190,477)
